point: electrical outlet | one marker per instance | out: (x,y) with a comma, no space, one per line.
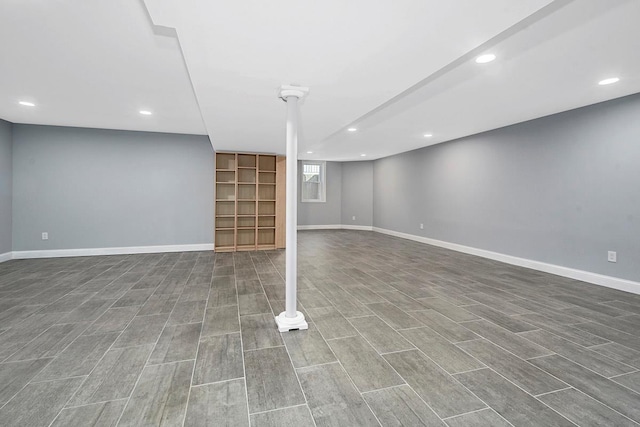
(612,256)
(421,226)
(353,218)
(45,236)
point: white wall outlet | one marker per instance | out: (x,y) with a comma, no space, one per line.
(421,226)
(45,236)
(612,256)
(353,218)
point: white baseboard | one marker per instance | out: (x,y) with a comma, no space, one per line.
(127,250)
(336,227)
(585,276)
(6,256)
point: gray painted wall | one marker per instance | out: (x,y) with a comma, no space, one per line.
(91,188)
(327,213)
(357,193)
(6,186)
(563,189)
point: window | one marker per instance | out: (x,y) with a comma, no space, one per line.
(313,182)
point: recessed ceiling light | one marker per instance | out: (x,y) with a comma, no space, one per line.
(363,155)
(146,112)
(483,59)
(428,135)
(27,103)
(609,81)
(352,129)
(309,152)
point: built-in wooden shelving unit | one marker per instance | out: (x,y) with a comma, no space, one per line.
(250,202)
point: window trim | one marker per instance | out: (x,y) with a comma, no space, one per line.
(323,181)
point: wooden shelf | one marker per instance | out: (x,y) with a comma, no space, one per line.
(249,201)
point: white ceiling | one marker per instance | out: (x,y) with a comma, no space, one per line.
(393,69)
(92,64)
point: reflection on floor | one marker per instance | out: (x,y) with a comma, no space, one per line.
(400,333)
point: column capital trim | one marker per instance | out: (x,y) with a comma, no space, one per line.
(286,91)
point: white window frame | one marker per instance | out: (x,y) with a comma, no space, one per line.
(323,182)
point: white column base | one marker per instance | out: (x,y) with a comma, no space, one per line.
(286,324)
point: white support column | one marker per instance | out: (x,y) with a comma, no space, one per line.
(291,319)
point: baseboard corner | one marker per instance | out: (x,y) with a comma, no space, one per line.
(6,256)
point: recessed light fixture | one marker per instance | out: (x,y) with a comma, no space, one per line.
(483,59)
(27,103)
(352,129)
(609,81)
(428,135)
(309,152)
(146,112)
(363,155)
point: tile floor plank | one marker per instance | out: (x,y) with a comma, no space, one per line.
(307,347)
(395,317)
(298,416)
(271,380)
(516,406)
(446,327)
(606,391)
(219,358)
(589,359)
(514,343)
(177,342)
(333,400)
(483,418)
(401,406)
(38,403)
(114,377)
(220,404)
(516,370)
(435,386)
(104,414)
(15,375)
(367,369)
(583,410)
(221,321)
(450,357)
(160,397)
(380,335)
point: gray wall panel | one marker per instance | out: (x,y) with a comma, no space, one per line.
(563,189)
(91,188)
(6,186)
(357,193)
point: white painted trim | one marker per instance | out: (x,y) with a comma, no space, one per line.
(6,256)
(585,276)
(127,250)
(336,227)
(357,227)
(320,227)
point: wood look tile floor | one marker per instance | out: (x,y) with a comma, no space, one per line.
(400,334)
